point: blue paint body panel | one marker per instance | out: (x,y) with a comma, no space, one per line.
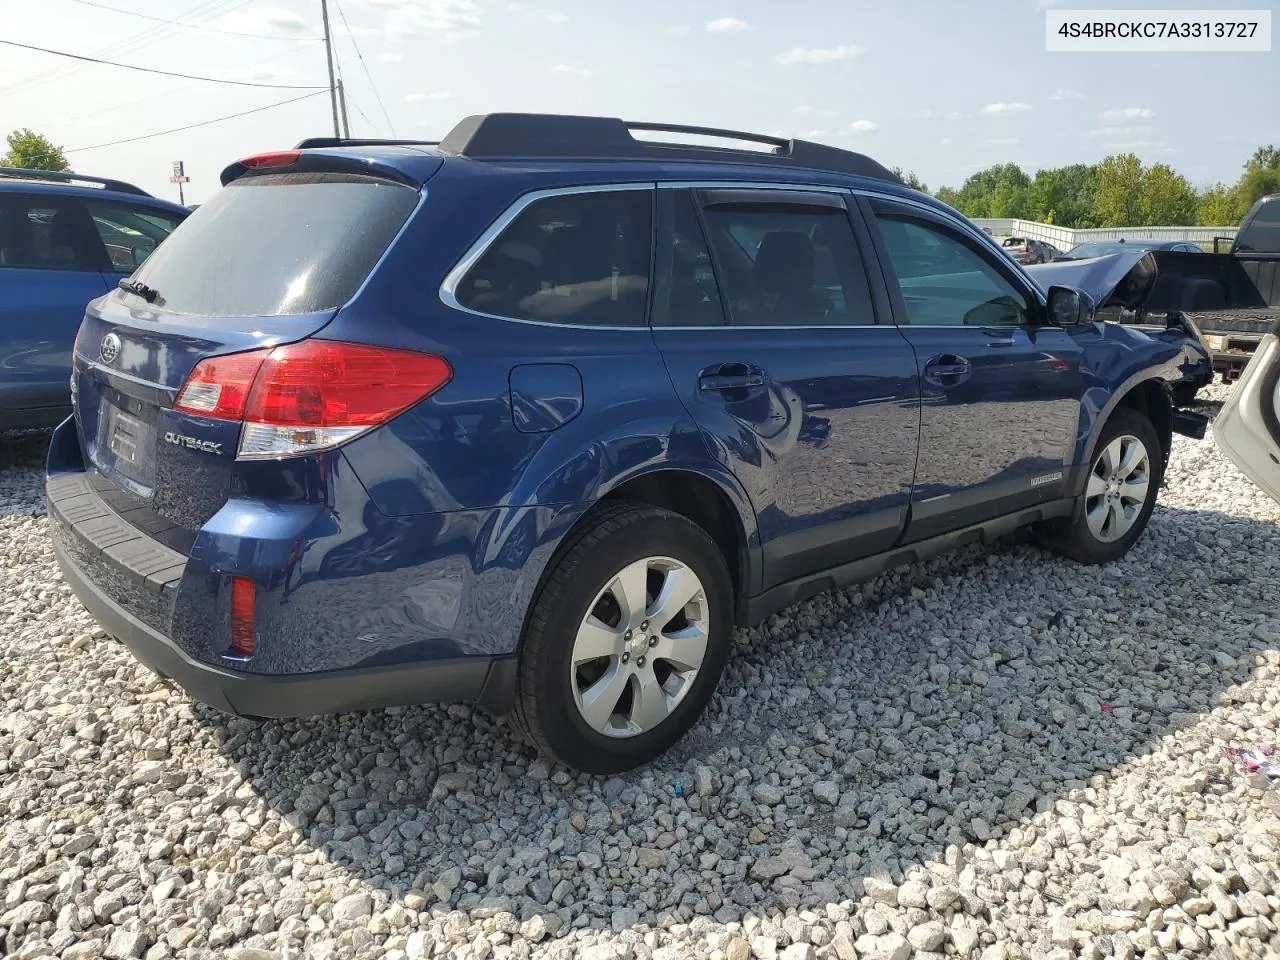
(41,308)
(424,540)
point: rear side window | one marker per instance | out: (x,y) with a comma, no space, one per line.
(130,234)
(278,244)
(579,258)
(783,266)
(48,234)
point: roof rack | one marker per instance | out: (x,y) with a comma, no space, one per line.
(528,136)
(119,186)
(348,142)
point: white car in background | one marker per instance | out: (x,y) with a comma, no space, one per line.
(1247,429)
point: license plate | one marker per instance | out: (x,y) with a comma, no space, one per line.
(123,437)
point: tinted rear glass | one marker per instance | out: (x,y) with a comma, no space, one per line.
(278,244)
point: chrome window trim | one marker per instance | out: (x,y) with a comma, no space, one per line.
(448,289)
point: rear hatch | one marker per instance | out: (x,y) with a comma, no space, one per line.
(269,260)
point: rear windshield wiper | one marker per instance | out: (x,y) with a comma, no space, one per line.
(149,294)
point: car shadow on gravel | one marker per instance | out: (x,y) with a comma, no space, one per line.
(858,733)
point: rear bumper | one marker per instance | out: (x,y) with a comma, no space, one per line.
(489,681)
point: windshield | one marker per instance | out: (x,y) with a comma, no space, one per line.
(278,244)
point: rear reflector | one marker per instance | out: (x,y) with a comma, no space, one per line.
(243,633)
(309,396)
(280,158)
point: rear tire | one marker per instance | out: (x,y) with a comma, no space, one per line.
(596,691)
(1120,493)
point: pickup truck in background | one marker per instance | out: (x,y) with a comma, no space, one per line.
(1231,299)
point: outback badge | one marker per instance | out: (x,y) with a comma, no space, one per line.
(191,443)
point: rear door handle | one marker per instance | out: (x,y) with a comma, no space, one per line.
(730,376)
(715,383)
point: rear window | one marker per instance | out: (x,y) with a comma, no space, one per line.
(278,244)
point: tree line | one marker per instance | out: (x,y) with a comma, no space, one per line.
(1120,191)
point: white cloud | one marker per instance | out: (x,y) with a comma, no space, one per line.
(555,17)
(859,127)
(391,57)
(564,70)
(1062,93)
(804,108)
(727,25)
(944,141)
(1005,109)
(265,74)
(810,55)
(1003,141)
(457,19)
(1126,113)
(264,20)
(677,29)
(957,115)
(1120,131)
(813,135)
(434,95)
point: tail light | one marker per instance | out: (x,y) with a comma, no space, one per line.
(280,158)
(309,396)
(243,631)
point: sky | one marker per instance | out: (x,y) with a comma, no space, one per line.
(939,87)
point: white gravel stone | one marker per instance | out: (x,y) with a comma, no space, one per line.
(997,754)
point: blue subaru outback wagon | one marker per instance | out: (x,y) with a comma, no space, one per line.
(532,417)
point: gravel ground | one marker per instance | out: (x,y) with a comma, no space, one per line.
(999,754)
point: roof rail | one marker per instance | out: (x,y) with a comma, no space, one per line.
(348,142)
(20,173)
(528,136)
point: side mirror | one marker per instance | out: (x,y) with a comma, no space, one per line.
(1069,307)
(140,254)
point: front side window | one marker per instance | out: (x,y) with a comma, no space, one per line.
(783,266)
(579,258)
(130,234)
(944,281)
(42,234)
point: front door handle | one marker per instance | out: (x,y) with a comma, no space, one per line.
(946,370)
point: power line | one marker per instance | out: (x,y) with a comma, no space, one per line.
(164,93)
(205,10)
(190,26)
(365,66)
(202,123)
(163,73)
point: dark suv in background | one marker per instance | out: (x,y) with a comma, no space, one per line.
(534,416)
(65,239)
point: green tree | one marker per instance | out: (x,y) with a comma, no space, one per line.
(910,179)
(1261,177)
(1118,200)
(1167,198)
(1065,193)
(1219,207)
(31,151)
(998,191)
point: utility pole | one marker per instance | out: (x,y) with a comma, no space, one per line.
(342,105)
(328,57)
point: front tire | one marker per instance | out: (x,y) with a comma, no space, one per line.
(1120,493)
(626,639)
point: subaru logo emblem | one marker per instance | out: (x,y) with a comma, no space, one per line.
(110,348)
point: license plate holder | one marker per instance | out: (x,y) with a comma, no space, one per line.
(124,434)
